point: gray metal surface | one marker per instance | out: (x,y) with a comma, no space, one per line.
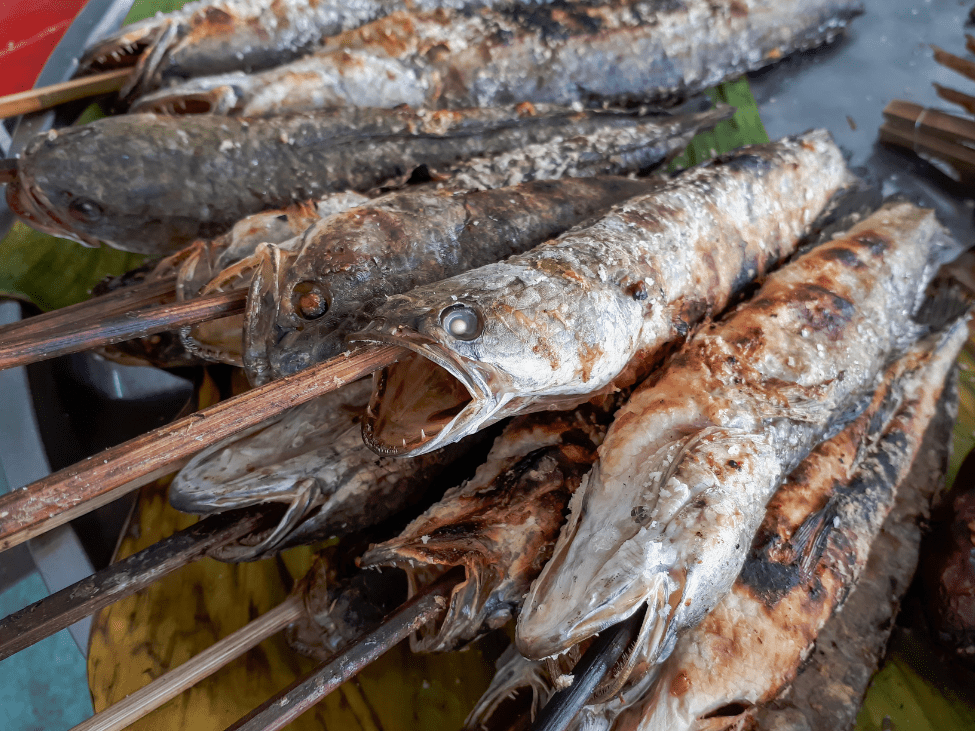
(886,55)
(57,554)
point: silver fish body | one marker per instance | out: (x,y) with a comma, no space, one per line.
(347,265)
(801,569)
(152,183)
(206,37)
(563,53)
(590,310)
(665,518)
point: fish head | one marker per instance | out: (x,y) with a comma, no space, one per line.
(485,345)
(329,288)
(218,94)
(666,535)
(500,527)
(58,190)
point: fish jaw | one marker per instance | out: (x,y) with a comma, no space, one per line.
(458,390)
(674,546)
(205,95)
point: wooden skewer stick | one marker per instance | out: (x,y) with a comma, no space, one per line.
(956,97)
(76,316)
(34,100)
(970,42)
(168,686)
(63,608)
(129,325)
(286,706)
(910,117)
(960,157)
(955,63)
(98,480)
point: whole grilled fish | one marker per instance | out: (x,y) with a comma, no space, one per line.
(500,526)
(563,53)
(152,184)
(313,462)
(589,310)
(665,518)
(808,554)
(205,38)
(347,265)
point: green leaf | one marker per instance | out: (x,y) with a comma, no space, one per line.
(53,272)
(142,9)
(745,128)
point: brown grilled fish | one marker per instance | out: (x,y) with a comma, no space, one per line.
(667,514)
(500,526)
(560,52)
(152,184)
(589,310)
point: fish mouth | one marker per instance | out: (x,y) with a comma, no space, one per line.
(424,401)
(28,203)
(123,49)
(220,99)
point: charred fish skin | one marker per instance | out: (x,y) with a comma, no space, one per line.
(561,53)
(349,264)
(205,38)
(670,508)
(583,312)
(807,556)
(500,525)
(172,193)
(312,462)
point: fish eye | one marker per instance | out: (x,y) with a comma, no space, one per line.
(309,299)
(461,321)
(85,210)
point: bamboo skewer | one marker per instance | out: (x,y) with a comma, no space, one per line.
(286,706)
(134,297)
(929,131)
(956,97)
(63,608)
(168,686)
(45,97)
(955,63)
(33,347)
(96,481)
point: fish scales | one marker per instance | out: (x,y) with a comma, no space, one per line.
(563,53)
(808,555)
(204,38)
(347,265)
(312,461)
(194,177)
(500,525)
(751,645)
(589,310)
(667,514)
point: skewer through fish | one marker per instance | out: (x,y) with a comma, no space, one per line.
(664,520)
(590,310)
(188,178)
(622,51)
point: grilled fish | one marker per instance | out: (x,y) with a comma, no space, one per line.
(563,53)
(587,311)
(152,184)
(500,526)
(311,461)
(808,554)
(205,38)
(665,518)
(347,265)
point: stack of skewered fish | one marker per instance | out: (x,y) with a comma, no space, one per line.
(710,414)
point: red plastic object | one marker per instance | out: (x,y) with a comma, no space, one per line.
(29,31)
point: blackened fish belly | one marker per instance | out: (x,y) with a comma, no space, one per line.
(561,53)
(591,309)
(665,519)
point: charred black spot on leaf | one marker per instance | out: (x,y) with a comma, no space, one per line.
(844,255)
